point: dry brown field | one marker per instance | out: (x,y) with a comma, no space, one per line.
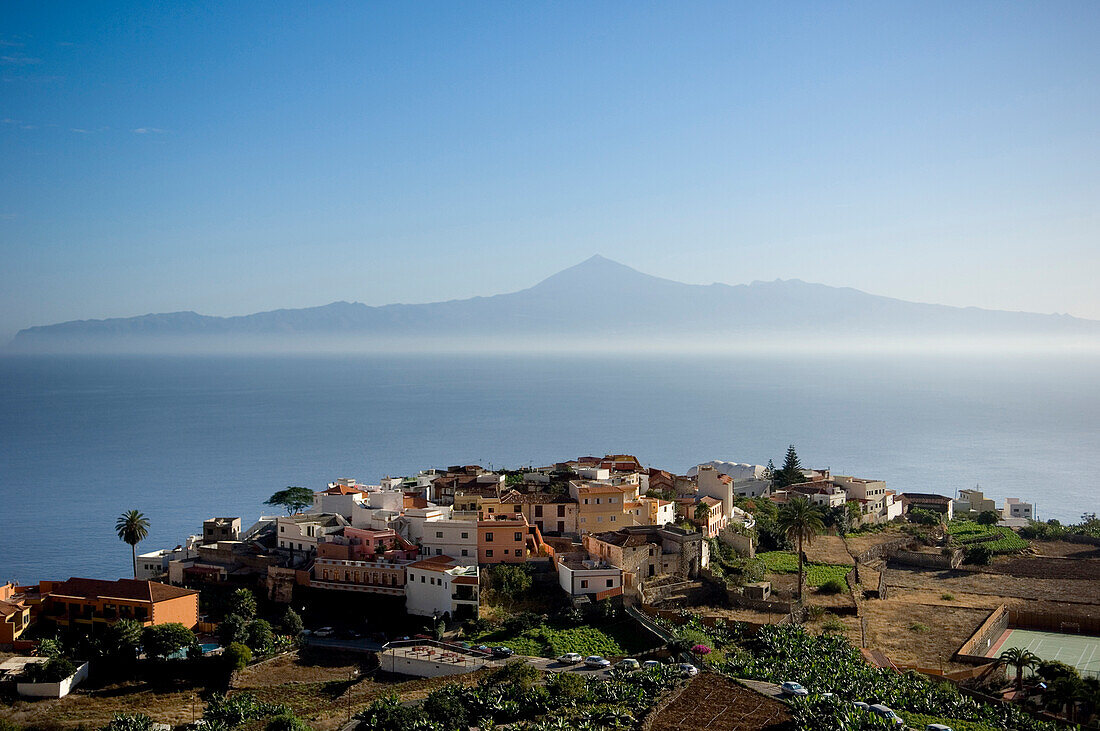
(828,549)
(320,694)
(713,702)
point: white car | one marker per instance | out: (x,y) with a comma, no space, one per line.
(884,712)
(324,632)
(687,669)
(651,664)
(793,688)
(595,661)
(937,727)
(570,658)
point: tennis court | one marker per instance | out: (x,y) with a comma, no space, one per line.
(1080,651)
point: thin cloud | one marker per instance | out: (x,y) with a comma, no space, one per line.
(81,131)
(18,59)
(149,131)
(9,120)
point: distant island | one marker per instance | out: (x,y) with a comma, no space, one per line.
(598,301)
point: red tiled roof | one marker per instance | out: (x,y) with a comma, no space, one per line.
(148,591)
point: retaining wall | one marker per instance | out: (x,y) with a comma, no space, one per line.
(974,649)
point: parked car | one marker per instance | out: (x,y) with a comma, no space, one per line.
(502,652)
(861,706)
(324,632)
(483,649)
(937,727)
(570,658)
(884,712)
(792,688)
(687,670)
(651,664)
(629,664)
(595,661)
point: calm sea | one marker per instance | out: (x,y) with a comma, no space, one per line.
(182,439)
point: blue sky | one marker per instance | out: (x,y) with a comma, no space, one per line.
(230,159)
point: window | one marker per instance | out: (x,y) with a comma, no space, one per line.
(582,520)
(561,511)
(599,518)
(517,508)
(610,583)
(490,510)
(422,575)
(584,583)
(282,529)
(505,551)
(488,537)
(488,553)
(611,500)
(439,552)
(439,534)
(465,534)
(517,536)
(586,501)
(597,501)
(538,511)
(612,518)
(465,552)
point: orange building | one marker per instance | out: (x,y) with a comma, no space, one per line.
(94,601)
(15,615)
(507,539)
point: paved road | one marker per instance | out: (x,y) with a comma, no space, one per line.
(769,689)
(337,643)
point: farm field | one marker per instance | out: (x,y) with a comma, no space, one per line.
(710,701)
(999,539)
(786,562)
(318,693)
(1078,591)
(919,634)
(610,640)
(828,549)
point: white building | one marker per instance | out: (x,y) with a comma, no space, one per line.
(454,538)
(1015,508)
(438,586)
(589,577)
(300,532)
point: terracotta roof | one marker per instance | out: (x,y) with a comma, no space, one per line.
(147,591)
(594,489)
(342,490)
(464,580)
(9,608)
(708,500)
(435,563)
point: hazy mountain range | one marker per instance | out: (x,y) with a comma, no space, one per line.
(596,301)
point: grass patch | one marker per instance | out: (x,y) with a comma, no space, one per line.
(921,720)
(618,638)
(1000,539)
(786,562)
(918,627)
(947,597)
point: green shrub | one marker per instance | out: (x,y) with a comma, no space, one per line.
(124,722)
(286,722)
(947,597)
(53,670)
(161,640)
(832,586)
(237,656)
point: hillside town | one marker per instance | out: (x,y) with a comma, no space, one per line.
(598,567)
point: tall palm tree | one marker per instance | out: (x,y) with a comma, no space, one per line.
(132,527)
(1020,660)
(800,520)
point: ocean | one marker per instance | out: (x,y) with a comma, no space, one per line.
(83,439)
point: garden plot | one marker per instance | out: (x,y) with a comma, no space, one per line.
(711,702)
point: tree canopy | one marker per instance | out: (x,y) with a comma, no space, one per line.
(791,471)
(132,528)
(801,521)
(292,499)
(161,640)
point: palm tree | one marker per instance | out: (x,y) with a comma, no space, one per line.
(800,520)
(133,528)
(1020,660)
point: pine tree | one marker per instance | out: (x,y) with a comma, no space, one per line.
(791,472)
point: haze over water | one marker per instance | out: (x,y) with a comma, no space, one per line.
(186,438)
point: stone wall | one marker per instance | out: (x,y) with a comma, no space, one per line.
(930,560)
